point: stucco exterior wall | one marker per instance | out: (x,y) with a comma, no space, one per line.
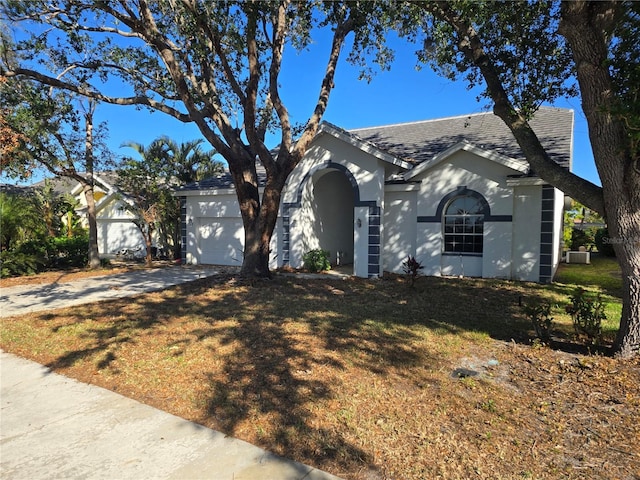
(367,171)
(399,228)
(302,237)
(358,186)
(465,169)
(116,230)
(558,228)
(429,247)
(214,234)
(496,258)
(527,201)
(116,235)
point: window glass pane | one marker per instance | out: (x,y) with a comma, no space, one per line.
(477,248)
(464,225)
(456,207)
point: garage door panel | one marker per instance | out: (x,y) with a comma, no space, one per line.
(220,241)
(114,235)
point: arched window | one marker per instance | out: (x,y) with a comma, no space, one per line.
(463,221)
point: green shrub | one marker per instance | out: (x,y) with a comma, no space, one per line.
(40,248)
(70,251)
(33,256)
(580,238)
(14,263)
(587,313)
(601,239)
(316,260)
(540,316)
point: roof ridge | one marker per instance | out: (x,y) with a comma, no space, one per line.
(402,124)
(440,119)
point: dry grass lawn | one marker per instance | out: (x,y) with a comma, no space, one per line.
(364,379)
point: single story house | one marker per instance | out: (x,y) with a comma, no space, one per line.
(456,193)
(116,230)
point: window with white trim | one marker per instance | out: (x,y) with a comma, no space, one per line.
(463,221)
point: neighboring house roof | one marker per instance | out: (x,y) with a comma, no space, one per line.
(62,185)
(223,181)
(14,189)
(417,146)
(423,140)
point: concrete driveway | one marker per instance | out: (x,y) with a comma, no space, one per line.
(33,298)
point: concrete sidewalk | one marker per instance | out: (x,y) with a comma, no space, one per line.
(33,298)
(53,427)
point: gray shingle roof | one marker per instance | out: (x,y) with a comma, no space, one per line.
(417,142)
(62,185)
(223,181)
(421,141)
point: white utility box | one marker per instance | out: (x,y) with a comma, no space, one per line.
(579,257)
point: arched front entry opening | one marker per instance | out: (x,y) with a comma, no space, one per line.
(323,218)
(332,212)
(328,213)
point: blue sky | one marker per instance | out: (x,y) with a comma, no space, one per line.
(403,94)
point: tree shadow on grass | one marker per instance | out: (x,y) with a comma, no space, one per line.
(262,339)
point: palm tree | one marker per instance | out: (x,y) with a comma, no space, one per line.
(189,162)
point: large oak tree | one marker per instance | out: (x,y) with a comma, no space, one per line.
(527,54)
(202,62)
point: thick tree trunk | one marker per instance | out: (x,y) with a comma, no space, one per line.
(585,25)
(259,231)
(255,262)
(627,342)
(259,212)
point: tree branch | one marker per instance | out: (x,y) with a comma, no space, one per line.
(279,35)
(89,93)
(340,33)
(470,45)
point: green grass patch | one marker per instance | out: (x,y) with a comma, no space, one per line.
(602,276)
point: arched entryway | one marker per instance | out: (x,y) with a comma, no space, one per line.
(332,212)
(329,213)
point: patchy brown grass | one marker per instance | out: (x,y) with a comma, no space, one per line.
(359,378)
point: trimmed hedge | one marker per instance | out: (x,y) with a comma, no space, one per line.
(35,256)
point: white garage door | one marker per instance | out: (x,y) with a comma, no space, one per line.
(114,235)
(220,240)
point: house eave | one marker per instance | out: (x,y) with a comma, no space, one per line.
(208,192)
(365,146)
(525,182)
